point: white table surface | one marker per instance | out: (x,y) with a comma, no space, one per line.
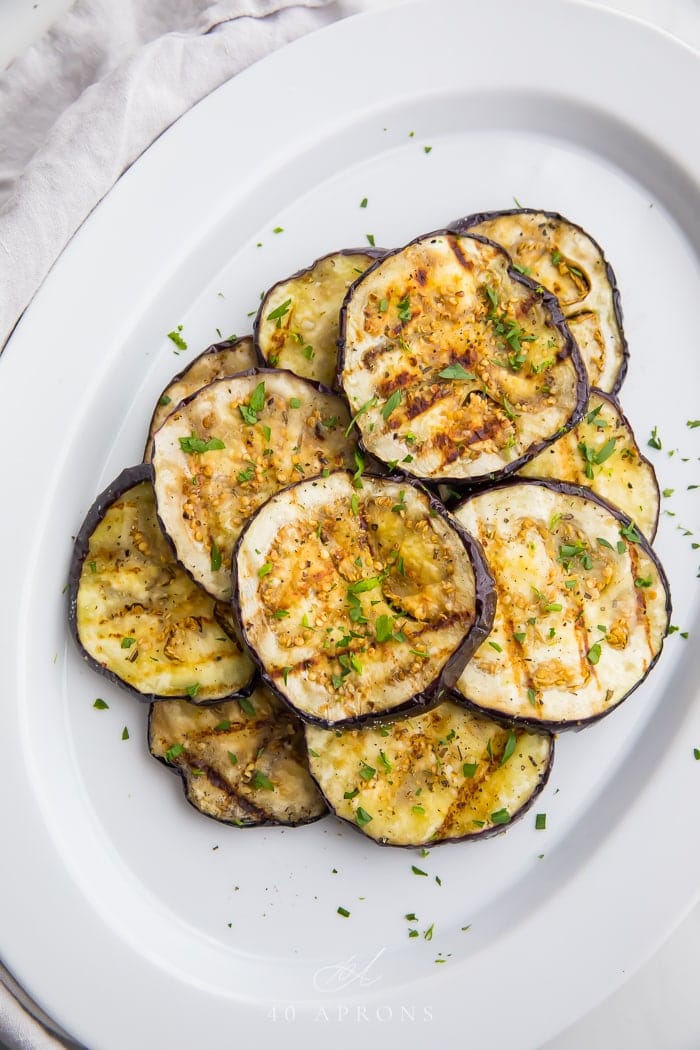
(657,1008)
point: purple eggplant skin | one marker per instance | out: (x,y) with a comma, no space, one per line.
(128,478)
(559,322)
(440,688)
(552,725)
(477,836)
(466,223)
(211,351)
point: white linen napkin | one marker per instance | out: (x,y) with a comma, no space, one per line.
(92,94)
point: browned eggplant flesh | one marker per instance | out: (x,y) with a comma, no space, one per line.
(297,322)
(440,776)
(602,454)
(227,449)
(136,614)
(566,260)
(454,364)
(217,361)
(583,604)
(359,597)
(242,762)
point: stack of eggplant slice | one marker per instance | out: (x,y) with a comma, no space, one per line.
(282,578)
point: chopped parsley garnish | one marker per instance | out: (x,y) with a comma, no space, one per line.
(456,371)
(403,308)
(501,816)
(126,643)
(173,752)
(367,771)
(393,402)
(100,704)
(196,445)
(361,410)
(363,202)
(193,689)
(233,758)
(418,871)
(469,769)
(362,816)
(344,912)
(265,569)
(509,748)
(654,441)
(593,653)
(247,706)
(260,781)
(215,557)
(541,821)
(249,412)
(176,338)
(278,313)
(630,533)
(370,239)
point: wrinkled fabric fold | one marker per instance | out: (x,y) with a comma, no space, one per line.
(88,98)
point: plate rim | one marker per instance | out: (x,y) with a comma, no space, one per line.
(159,152)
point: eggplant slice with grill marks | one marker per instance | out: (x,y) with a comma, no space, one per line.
(241,762)
(568,262)
(583,605)
(136,615)
(439,776)
(455,364)
(219,360)
(602,454)
(297,322)
(229,447)
(360,597)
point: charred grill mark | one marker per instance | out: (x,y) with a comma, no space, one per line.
(587,669)
(418,403)
(450,449)
(398,381)
(515,652)
(372,355)
(469,789)
(459,255)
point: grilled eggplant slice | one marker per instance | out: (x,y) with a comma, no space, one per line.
(297,323)
(360,597)
(226,449)
(440,776)
(601,453)
(219,360)
(454,364)
(568,262)
(136,615)
(583,604)
(241,763)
